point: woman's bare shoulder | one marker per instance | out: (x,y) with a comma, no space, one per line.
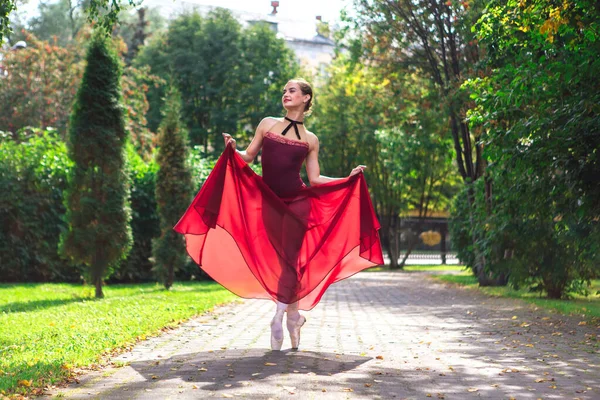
(312,139)
(270,120)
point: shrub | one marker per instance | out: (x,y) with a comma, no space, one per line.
(33,173)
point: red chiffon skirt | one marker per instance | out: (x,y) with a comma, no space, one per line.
(259,245)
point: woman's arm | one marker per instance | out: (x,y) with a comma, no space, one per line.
(312,165)
(255,145)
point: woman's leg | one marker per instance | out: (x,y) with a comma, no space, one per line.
(276,326)
(294,322)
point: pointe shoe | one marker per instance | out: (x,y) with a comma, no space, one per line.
(294,326)
(277,332)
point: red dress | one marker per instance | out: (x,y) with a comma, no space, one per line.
(272,237)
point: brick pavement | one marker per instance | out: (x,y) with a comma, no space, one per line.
(377,335)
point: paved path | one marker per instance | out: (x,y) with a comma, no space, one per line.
(373,336)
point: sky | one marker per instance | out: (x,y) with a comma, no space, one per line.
(302,12)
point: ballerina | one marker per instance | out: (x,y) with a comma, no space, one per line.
(272,236)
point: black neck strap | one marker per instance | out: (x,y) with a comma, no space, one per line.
(295,125)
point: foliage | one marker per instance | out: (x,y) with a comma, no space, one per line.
(173,190)
(538,103)
(98,212)
(6,7)
(58,22)
(33,175)
(388,123)
(39,85)
(137,267)
(56,328)
(136,83)
(229,77)
(431,39)
(136,28)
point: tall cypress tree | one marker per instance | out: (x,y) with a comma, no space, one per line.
(97,201)
(173,189)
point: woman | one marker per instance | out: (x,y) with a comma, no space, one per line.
(273,237)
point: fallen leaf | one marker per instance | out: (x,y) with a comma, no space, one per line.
(227,395)
(428,395)
(323,390)
(154,377)
(379,357)
(539,380)
(472,390)
(25,382)
(270,364)
(368,384)
(227,385)
(582,323)
(347,390)
(514,317)
(194,387)
(202,369)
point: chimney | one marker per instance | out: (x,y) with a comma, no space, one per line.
(274,4)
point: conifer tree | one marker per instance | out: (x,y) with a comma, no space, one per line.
(173,189)
(97,201)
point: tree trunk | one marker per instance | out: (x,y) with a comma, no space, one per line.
(411,245)
(170,276)
(97,271)
(443,233)
(394,248)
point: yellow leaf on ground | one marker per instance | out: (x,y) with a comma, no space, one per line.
(25,382)
(472,390)
(270,364)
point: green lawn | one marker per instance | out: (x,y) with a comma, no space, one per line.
(411,268)
(587,307)
(46,330)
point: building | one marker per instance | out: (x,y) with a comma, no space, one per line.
(313,51)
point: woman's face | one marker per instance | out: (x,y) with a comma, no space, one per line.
(293,97)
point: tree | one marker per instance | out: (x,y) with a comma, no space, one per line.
(58,21)
(6,7)
(536,100)
(387,122)
(434,40)
(267,63)
(173,190)
(39,85)
(229,78)
(98,213)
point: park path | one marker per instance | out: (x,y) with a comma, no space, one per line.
(377,335)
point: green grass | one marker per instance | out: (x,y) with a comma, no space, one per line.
(411,268)
(46,330)
(434,268)
(586,307)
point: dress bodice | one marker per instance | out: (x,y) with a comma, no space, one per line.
(281,161)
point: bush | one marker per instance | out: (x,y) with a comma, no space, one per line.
(523,233)
(137,267)
(33,172)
